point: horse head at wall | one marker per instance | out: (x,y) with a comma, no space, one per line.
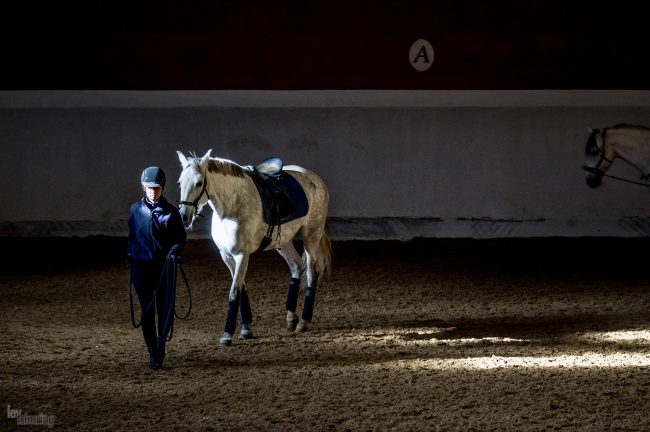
(627,142)
(593,153)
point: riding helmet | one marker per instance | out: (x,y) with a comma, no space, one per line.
(153,177)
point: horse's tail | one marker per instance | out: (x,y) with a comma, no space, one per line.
(324,254)
(323,259)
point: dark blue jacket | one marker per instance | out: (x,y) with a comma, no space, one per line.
(155,231)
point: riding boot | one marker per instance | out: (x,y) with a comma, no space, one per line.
(154,359)
(161,350)
(149,333)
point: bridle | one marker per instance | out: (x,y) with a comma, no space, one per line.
(599,172)
(594,149)
(195,203)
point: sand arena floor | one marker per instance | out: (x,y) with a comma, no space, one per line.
(426,335)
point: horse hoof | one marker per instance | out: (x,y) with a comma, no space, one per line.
(246,334)
(292,324)
(225,341)
(302,326)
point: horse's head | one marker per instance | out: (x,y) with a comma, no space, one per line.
(597,160)
(193,185)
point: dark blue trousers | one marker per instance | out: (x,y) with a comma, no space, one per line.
(156,299)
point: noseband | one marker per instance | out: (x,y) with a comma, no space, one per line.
(195,203)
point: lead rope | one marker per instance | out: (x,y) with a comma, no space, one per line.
(189,291)
(169,274)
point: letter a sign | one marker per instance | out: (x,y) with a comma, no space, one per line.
(421,55)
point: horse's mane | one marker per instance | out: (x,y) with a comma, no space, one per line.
(592,147)
(218,165)
(629,126)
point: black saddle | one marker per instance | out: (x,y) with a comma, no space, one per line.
(283,199)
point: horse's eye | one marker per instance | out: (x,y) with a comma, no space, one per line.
(199,184)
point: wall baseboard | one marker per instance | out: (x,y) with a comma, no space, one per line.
(384,228)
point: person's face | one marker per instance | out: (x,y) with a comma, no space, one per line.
(153,193)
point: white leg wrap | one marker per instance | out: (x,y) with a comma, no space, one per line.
(292,320)
(246,332)
(225,340)
(302,326)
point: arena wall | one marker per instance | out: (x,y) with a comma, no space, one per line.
(477,133)
(399,164)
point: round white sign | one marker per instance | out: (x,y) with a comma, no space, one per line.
(421,55)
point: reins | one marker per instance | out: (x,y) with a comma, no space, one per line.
(168,275)
(602,174)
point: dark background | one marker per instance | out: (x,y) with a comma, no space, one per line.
(212,45)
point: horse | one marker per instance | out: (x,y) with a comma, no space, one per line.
(239,229)
(627,142)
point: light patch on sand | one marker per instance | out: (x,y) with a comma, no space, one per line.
(587,360)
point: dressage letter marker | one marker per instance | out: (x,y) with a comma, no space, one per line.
(421,55)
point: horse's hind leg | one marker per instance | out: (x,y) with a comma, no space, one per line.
(291,256)
(311,276)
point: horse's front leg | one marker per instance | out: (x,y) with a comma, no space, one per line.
(237,298)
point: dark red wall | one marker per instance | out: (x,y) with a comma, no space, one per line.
(239,44)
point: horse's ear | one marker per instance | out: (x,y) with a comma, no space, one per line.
(590,130)
(207,156)
(182,158)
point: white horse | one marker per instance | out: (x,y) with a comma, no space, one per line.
(630,143)
(238,229)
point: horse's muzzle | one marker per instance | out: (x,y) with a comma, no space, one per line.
(594,176)
(186,217)
(594,180)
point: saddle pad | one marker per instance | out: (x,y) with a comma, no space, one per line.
(283,199)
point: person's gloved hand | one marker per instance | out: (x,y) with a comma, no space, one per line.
(175,258)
